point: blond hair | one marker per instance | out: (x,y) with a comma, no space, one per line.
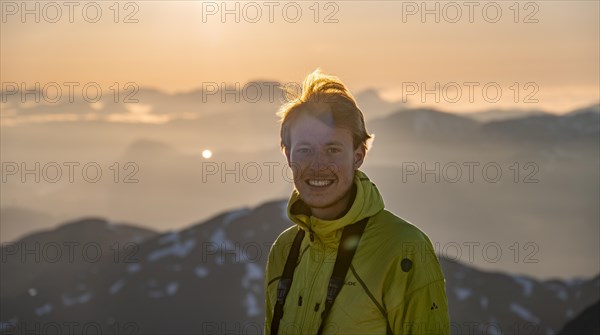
(318,89)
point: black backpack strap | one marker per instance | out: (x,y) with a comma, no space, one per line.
(283,287)
(343,259)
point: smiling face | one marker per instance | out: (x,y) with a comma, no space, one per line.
(323,161)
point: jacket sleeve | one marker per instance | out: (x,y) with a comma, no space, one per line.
(268,305)
(273,270)
(415,294)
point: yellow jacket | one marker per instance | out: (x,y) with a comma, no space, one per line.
(394,277)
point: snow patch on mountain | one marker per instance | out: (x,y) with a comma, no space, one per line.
(179,249)
(462,293)
(201,271)
(570,313)
(172,288)
(79,299)
(234,215)
(483,302)
(561,292)
(525,283)
(252,307)
(133,268)
(45,309)
(253,272)
(523,313)
(116,286)
(219,238)
(168,238)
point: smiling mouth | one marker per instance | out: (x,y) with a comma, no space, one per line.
(319,182)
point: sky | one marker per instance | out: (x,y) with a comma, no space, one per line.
(479,54)
(528,55)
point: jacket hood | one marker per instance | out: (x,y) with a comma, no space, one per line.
(367,202)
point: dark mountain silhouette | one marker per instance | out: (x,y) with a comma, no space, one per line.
(595,108)
(586,323)
(209,278)
(63,255)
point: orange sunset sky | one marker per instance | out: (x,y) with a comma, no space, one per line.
(176,46)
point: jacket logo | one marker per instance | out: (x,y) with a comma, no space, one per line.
(351,283)
(434,306)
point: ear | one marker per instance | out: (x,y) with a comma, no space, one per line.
(359,157)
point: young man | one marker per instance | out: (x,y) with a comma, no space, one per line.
(391,280)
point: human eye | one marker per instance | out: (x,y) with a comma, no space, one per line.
(302,150)
(334,150)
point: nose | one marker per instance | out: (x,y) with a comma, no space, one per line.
(320,164)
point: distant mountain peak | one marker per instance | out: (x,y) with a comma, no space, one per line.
(592,109)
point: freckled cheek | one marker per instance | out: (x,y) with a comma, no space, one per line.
(297,166)
(342,167)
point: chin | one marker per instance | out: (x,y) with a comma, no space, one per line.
(319,201)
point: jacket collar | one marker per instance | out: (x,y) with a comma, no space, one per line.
(367,202)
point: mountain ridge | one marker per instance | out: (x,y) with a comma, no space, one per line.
(229,250)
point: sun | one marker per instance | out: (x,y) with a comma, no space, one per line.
(207,153)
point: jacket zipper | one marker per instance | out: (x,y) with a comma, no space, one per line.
(312,284)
